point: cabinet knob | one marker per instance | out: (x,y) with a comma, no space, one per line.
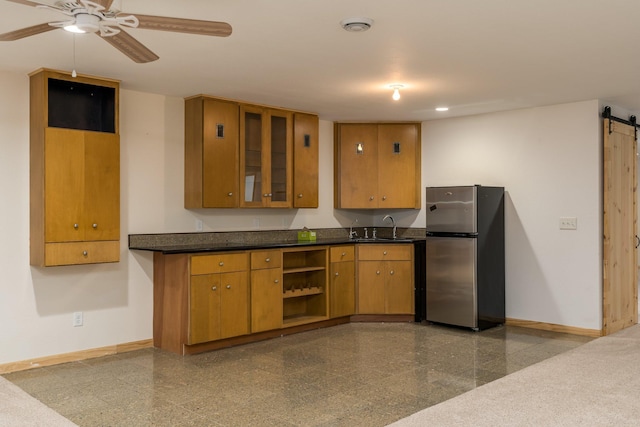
(221,263)
(378,272)
(85,253)
(229,286)
(337,274)
(229,194)
(214,288)
(300,196)
(94,225)
(384,253)
(391,272)
(370,197)
(75,226)
(384,197)
(267,260)
(344,253)
(268,194)
(276,281)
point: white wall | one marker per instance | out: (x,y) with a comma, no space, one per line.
(547,158)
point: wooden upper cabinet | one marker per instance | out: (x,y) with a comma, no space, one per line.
(74,169)
(377,165)
(242,155)
(357,166)
(211,153)
(82,190)
(265,157)
(398,166)
(305,160)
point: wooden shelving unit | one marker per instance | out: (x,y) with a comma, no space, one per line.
(304,287)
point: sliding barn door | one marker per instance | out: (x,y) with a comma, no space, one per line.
(620,265)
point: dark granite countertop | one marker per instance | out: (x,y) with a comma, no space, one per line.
(239,241)
(236,246)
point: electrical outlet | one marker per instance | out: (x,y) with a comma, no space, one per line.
(568,223)
(77,319)
(198,225)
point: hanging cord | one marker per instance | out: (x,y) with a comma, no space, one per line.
(73,73)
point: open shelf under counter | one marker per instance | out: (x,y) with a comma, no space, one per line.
(302,292)
(301,320)
(302,269)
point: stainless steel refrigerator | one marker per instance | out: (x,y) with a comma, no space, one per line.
(465,275)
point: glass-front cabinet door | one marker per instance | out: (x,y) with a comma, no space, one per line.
(265,157)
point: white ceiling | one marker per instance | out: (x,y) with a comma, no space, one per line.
(473,56)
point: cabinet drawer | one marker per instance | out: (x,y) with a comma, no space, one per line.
(342,253)
(218,263)
(81,252)
(266,259)
(385,252)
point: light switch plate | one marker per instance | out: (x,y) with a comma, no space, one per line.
(568,223)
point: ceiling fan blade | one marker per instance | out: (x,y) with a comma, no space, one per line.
(26,32)
(104,3)
(131,47)
(28,2)
(181,25)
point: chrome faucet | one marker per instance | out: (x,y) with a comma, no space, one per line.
(393,222)
(353,234)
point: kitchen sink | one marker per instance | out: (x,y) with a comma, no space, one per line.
(381,240)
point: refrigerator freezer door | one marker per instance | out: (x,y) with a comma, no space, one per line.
(452,281)
(452,209)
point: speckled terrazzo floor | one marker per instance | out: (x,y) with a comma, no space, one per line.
(359,374)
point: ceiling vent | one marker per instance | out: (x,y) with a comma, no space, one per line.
(356,25)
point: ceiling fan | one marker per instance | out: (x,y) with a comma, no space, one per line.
(86,16)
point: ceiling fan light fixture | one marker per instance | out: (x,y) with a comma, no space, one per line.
(396,91)
(84,23)
(356,25)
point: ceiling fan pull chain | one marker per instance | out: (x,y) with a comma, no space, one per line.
(73,73)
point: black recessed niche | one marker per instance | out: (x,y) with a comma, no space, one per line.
(81,106)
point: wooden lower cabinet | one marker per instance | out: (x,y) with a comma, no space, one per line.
(207,297)
(342,281)
(266,290)
(218,297)
(218,306)
(266,299)
(385,279)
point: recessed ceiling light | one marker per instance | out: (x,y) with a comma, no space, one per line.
(356,25)
(442,108)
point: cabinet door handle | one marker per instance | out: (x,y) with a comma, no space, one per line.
(384,197)
(300,196)
(378,272)
(384,253)
(94,225)
(85,253)
(267,260)
(228,286)
(75,226)
(391,272)
(337,274)
(276,281)
(268,194)
(344,254)
(214,288)
(221,263)
(229,194)
(370,197)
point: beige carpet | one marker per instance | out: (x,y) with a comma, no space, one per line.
(596,384)
(18,409)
